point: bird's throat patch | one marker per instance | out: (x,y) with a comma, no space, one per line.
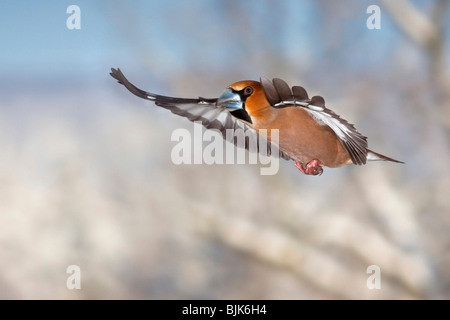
(242,114)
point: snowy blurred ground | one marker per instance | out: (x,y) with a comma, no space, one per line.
(86,179)
(102,193)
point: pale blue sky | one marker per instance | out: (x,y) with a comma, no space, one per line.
(174,37)
(35,38)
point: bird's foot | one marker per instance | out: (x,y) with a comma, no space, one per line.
(312,168)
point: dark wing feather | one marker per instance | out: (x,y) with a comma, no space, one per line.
(279,97)
(270,91)
(207,112)
(300,93)
(283,89)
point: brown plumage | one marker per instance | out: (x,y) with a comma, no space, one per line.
(301,137)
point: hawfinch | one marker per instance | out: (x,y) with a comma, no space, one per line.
(309,133)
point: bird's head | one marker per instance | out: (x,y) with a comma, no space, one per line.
(243,99)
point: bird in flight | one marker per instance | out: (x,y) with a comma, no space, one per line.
(309,133)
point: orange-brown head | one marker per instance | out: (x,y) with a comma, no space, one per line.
(244,99)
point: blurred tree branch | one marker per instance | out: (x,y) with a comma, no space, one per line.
(413,22)
(306,258)
(428,33)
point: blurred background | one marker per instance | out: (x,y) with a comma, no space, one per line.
(86,176)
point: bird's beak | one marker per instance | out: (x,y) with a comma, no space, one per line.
(229,100)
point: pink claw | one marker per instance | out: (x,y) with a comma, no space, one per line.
(312,168)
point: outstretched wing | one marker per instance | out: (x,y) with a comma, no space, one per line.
(280,95)
(211,116)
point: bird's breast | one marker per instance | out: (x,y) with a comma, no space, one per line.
(302,137)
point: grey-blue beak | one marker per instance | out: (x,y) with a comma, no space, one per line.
(229,100)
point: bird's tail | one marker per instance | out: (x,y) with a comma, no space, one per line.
(374,156)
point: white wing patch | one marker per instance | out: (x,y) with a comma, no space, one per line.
(323,118)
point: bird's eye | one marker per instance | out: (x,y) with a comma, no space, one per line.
(248,91)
